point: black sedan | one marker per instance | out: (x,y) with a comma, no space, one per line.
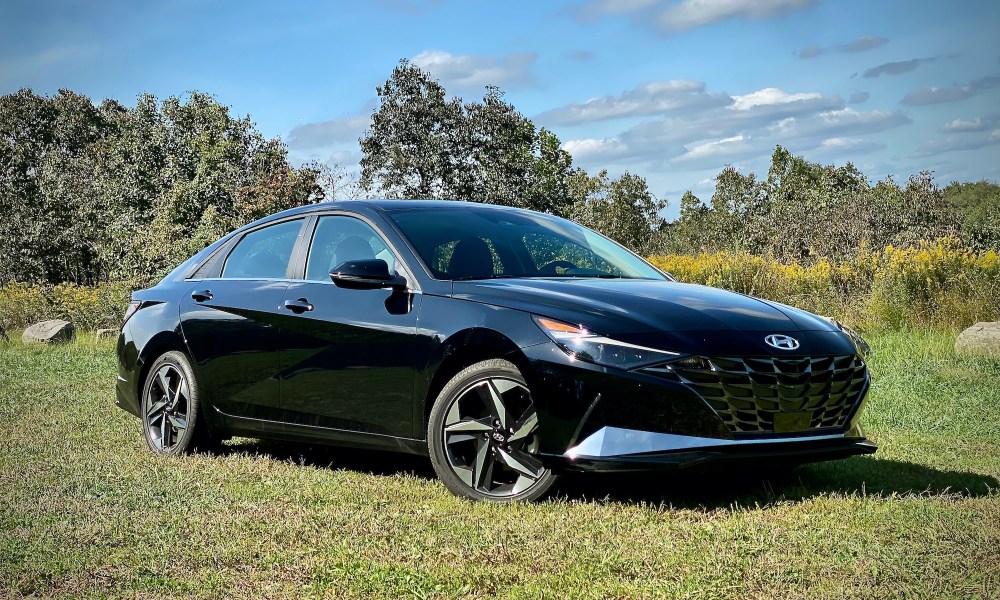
(507,345)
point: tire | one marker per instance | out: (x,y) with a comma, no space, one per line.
(483,436)
(171,420)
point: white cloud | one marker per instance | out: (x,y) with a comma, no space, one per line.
(690,14)
(593,150)
(853,146)
(737,145)
(771,97)
(658,97)
(838,123)
(672,16)
(935,95)
(971,125)
(473,72)
(764,118)
(955,144)
(327,133)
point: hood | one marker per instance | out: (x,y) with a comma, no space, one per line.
(661,313)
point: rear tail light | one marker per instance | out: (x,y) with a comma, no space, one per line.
(132,307)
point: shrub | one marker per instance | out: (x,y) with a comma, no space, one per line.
(87,307)
(933,284)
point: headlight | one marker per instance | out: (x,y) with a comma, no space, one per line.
(582,344)
(859,342)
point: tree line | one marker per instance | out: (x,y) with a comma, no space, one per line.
(91,193)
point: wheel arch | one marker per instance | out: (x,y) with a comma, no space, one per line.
(172,341)
(461,350)
(155,347)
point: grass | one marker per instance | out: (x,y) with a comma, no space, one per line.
(85,510)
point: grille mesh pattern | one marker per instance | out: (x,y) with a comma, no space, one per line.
(748,392)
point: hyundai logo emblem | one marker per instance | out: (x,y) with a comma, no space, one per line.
(782,342)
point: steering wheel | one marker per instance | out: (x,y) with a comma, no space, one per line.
(550,268)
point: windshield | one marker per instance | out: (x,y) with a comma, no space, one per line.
(470,242)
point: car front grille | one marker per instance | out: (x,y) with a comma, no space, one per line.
(760,395)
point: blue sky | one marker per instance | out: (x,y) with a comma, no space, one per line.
(672,90)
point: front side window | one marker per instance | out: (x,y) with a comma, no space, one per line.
(338,239)
(264,253)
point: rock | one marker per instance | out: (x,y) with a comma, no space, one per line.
(49,332)
(981,338)
(104,334)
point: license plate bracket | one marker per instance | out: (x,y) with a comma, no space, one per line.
(792,422)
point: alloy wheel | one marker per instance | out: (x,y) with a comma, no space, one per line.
(167,406)
(491,437)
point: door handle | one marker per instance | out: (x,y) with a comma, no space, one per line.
(298,306)
(201,296)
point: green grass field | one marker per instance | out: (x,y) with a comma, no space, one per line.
(85,510)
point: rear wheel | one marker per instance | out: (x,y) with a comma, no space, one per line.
(170,408)
(483,435)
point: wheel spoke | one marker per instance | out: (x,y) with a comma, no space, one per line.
(523,482)
(179,423)
(494,401)
(182,391)
(164,433)
(161,380)
(469,426)
(155,408)
(482,468)
(523,463)
(524,428)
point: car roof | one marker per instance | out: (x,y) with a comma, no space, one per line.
(381,206)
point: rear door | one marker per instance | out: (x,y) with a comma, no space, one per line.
(229,320)
(349,360)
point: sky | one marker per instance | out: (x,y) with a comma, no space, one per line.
(672,90)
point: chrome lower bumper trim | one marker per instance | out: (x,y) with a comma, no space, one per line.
(609,442)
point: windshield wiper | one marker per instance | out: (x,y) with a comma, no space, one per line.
(593,276)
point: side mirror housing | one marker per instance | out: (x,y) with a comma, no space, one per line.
(366,274)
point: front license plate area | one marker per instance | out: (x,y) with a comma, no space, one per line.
(792,422)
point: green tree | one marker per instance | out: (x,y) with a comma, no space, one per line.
(423,145)
(93,193)
(623,209)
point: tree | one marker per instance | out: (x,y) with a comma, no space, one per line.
(978,206)
(623,209)
(412,147)
(422,145)
(92,193)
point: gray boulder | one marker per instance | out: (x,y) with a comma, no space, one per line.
(105,334)
(981,338)
(49,332)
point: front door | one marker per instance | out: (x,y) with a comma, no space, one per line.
(347,356)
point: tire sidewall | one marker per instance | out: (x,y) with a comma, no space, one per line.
(186,442)
(435,431)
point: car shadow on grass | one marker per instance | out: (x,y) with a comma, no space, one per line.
(374,462)
(689,488)
(862,476)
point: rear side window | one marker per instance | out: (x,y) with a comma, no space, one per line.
(264,253)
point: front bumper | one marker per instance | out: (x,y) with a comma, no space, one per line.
(612,449)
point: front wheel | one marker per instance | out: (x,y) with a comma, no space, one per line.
(483,436)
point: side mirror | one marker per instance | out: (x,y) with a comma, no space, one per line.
(367,274)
